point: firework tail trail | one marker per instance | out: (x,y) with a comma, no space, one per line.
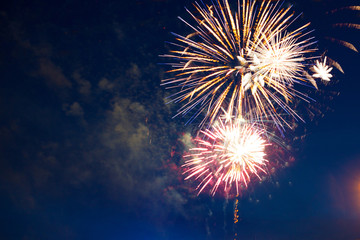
(236,215)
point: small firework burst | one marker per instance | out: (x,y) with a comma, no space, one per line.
(230,154)
(321,70)
(248,60)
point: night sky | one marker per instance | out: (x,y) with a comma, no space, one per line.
(89,148)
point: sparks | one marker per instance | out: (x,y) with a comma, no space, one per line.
(230,154)
(247,60)
(322,70)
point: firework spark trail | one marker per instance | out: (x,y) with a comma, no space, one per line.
(248,61)
(348,25)
(229,154)
(236,211)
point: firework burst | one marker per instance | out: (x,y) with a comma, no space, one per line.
(321,70)
(248,60)
(230,154)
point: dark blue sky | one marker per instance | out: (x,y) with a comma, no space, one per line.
(88,147)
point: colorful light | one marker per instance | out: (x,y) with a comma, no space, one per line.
(249,61)
(230,154)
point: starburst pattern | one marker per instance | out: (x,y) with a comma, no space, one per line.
(248,60)
(230,154)
(322,70)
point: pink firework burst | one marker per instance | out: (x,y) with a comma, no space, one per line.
(230,154)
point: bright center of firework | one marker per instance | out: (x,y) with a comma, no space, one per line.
(244,148)
(239,154)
